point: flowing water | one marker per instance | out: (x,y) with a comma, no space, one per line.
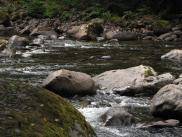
(32,66)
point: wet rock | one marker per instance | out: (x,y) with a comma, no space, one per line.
(33,111)
(175,28)
(148,38)
(39,41)
(178,33)
(50,33)
(167,102)
(161,124)
(17,42)
(69,83)
(174,54)
(88,31)
(6,31)
(177,81)
(117,117)
(164,36)
(122,36)
(25,31)
(171,38)
(133,81)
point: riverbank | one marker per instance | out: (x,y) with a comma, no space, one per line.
(96,21)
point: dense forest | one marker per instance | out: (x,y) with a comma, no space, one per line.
(85,10)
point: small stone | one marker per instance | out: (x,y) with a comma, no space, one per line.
(32,124)
(41,105)
(56,120)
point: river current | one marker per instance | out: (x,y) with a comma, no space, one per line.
(32,65)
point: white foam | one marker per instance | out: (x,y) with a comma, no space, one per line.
(92,114)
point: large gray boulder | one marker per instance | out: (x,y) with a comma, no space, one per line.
(131,81)
(122,36)
(167,102)
(117,116)
(69,83)
(175,54)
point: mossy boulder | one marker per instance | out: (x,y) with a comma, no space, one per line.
(28,111)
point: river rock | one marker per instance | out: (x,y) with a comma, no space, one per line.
(69,83)
(17,42)
(132,81)
(117,117)
(88,31)
(174,54)
(6,31)
(165,35)
(167,102)
(49,33)
(33,111)
(122,36)
(161,124)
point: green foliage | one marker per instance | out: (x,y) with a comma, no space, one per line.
(106,16)
(35,8)
(108,10)
(52,9)
(160,24)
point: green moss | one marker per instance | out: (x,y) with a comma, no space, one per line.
(36,112)
(160,24)
(148,72)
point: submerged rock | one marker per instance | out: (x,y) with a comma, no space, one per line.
(32,111)
(117,116)
(69,83)
(167,102)
(174,54)
(132,81)
(161,124)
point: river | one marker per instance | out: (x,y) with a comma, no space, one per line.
(32,65)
